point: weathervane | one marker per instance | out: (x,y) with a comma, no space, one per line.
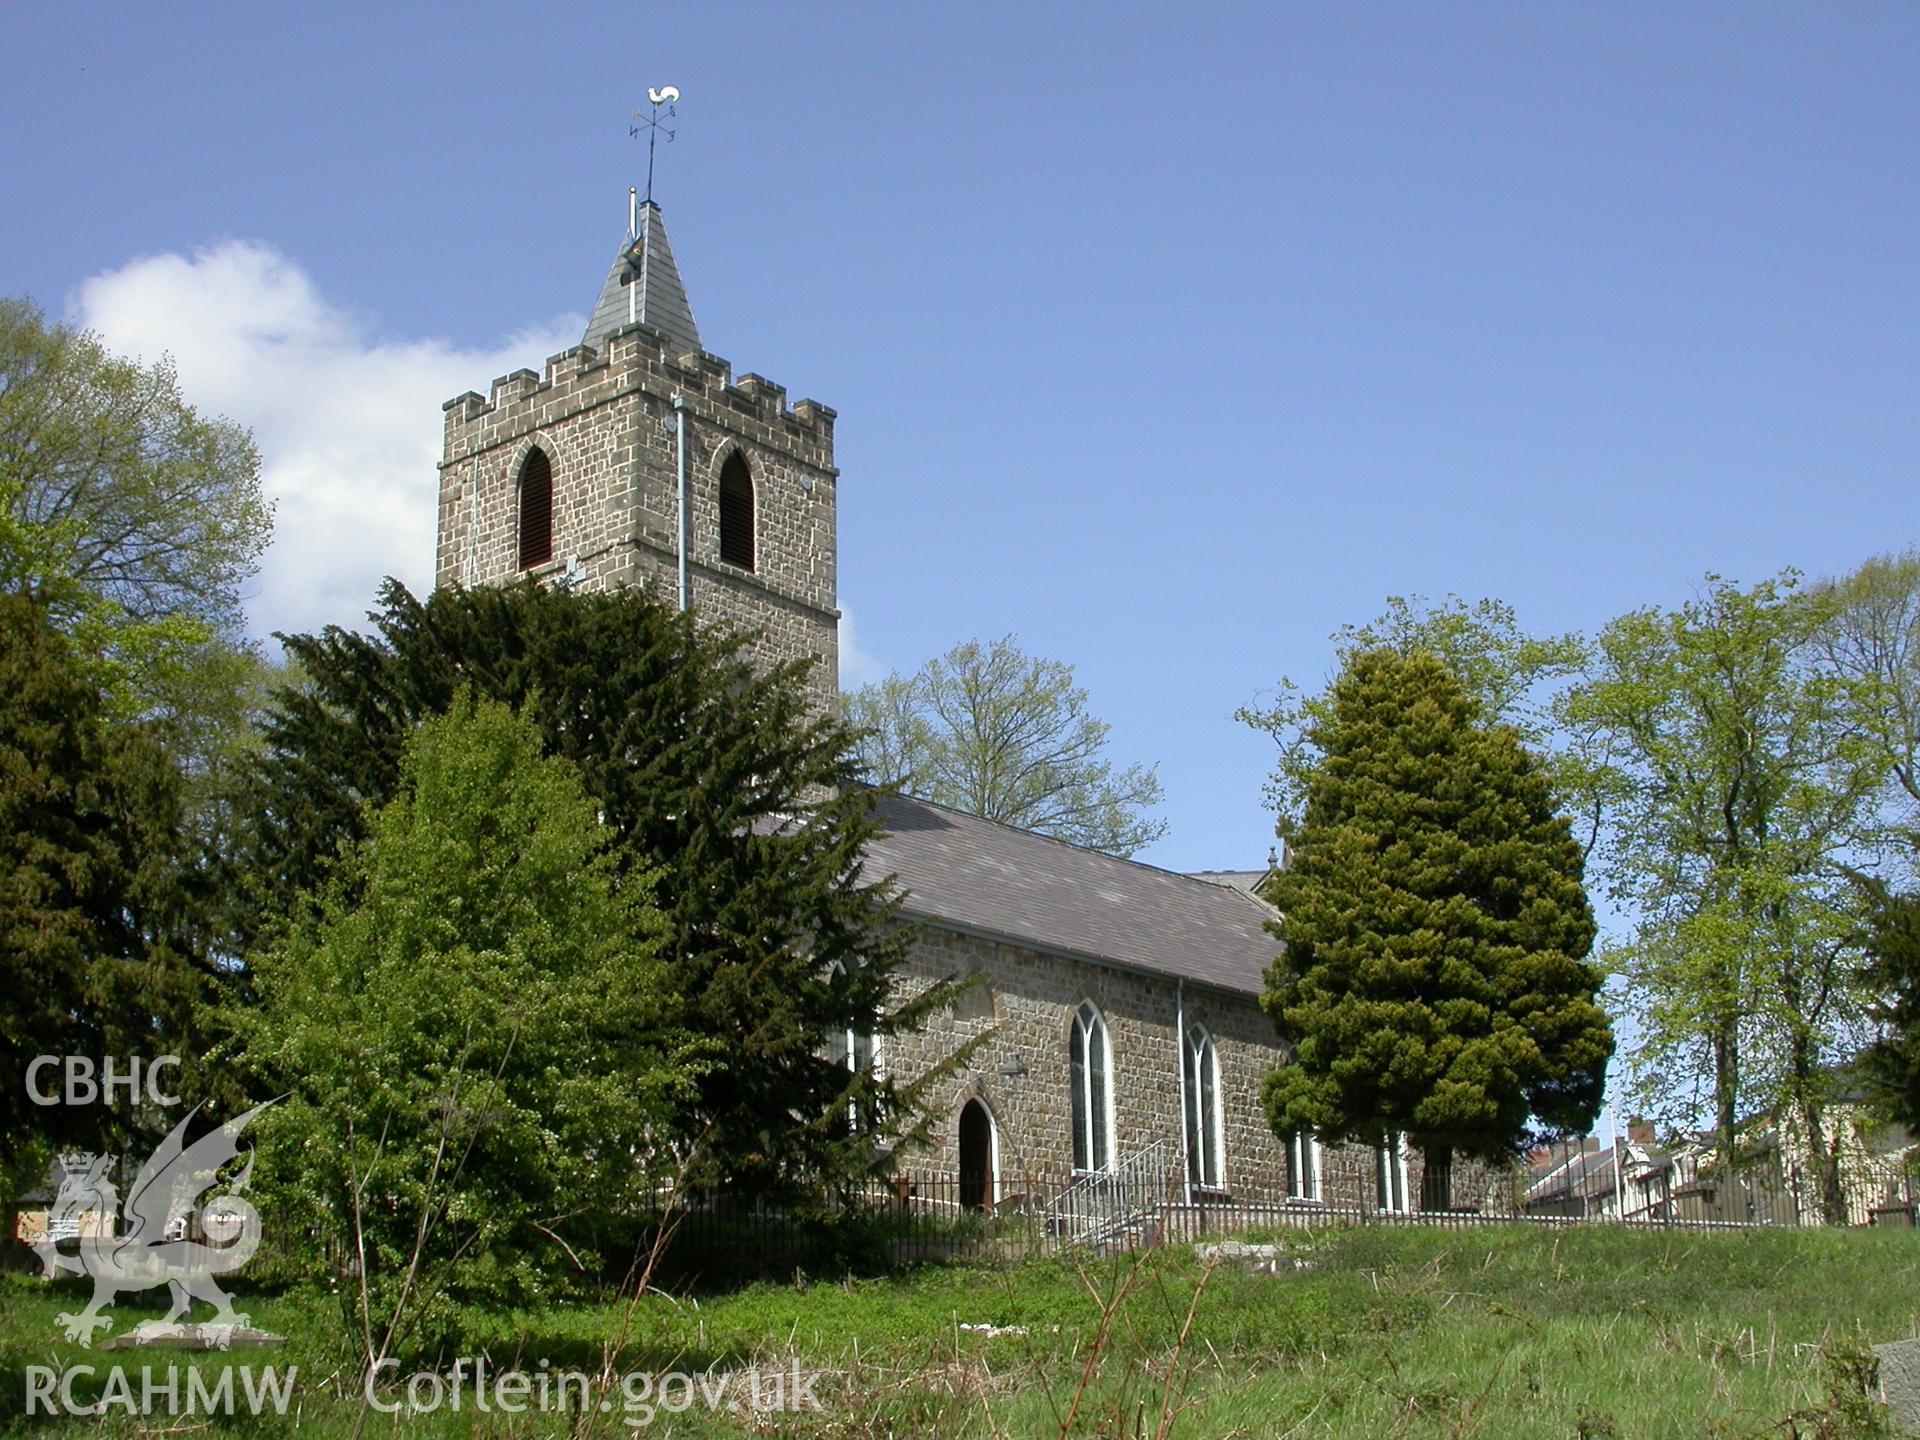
(667,95)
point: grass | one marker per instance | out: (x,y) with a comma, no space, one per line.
(1581,1334)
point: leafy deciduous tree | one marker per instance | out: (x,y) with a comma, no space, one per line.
(1740,793)
(1871,642)
(1007,736)
(122,504)
(133,521)
(471,1032)
(1435,978)
(1507,670)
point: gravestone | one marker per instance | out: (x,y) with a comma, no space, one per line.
(1900,1383)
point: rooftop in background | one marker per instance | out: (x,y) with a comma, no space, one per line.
(1248,880)
(644,285)
(1027,889)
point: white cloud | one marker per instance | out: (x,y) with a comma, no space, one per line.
(349,427)
(858,666)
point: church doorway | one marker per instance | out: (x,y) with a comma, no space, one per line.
(977,1178)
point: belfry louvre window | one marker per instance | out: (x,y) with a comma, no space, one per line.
(536,510)
(736,512)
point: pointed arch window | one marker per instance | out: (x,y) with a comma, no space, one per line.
(1303,1166)
(736,512)
(1089,1066)
(536,509)
(853,1050)
(1202,1061)
(1390,1174)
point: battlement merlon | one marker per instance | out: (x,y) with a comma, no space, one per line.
(633,355)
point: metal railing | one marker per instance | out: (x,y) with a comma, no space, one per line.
(1103,1206)
(720,1238)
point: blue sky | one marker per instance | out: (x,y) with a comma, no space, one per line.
(1169,339)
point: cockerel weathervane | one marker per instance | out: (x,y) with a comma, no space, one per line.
(650,121)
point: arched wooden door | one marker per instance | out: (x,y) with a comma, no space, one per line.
(976,1157)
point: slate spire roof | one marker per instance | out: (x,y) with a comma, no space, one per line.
(644,284)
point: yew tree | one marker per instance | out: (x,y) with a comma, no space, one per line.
(714,776)
(101,908)
(1435,978)
(1891,1064)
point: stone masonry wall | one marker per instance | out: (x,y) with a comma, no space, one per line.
(1028,1000)
(605,419)
(1025,1000)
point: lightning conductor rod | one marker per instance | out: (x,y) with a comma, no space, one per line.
(633,232)
(681,406)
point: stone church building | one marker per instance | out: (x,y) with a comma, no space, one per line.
(1120,1001)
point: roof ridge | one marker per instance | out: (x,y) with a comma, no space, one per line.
(1056,840)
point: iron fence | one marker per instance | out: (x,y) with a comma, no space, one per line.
(717,1237)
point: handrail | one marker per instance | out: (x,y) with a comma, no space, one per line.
(1103,1203)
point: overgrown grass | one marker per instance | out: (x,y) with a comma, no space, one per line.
(1510,1332)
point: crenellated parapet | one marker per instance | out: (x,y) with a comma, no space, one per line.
(636,358)
(605,421)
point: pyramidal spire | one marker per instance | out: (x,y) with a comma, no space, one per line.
(644,285)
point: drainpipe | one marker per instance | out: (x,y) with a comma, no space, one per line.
(470,566)
(680,409)
(1180,1057)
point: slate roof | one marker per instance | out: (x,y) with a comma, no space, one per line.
(1031,890)
(655,295)
(1590,1174)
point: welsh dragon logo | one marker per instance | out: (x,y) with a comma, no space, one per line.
(150,1239)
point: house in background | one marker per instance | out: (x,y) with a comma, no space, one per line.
(1779,1181)
(1583,1179)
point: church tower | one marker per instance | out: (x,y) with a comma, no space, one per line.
(635,458)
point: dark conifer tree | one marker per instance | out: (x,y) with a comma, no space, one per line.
(1435,979)
(99,900)
(1891,1064)
(714,774)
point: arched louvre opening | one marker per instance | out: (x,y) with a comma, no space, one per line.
(1089,1065)
(536,509)
(736,512)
